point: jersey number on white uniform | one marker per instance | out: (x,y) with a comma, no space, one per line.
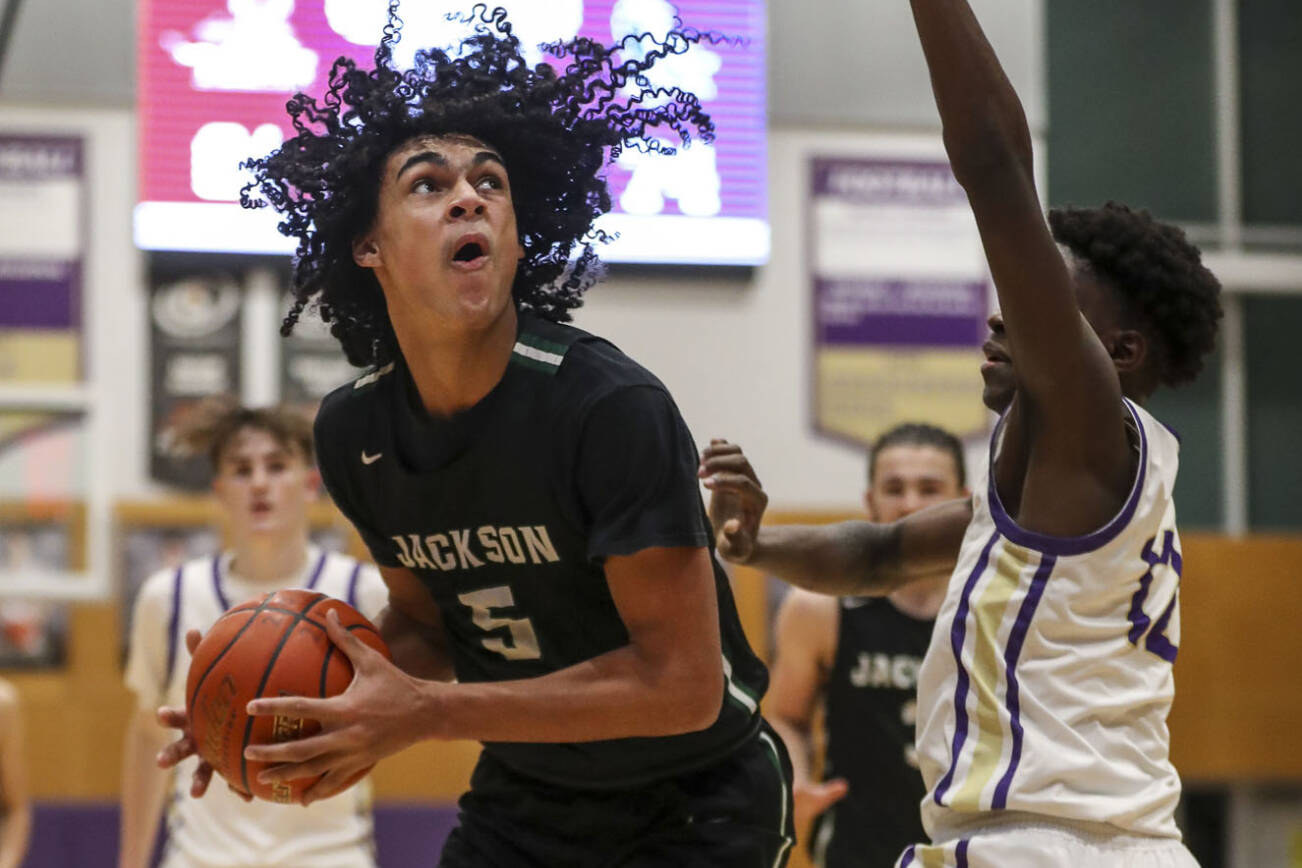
(523,644)
(1153,633)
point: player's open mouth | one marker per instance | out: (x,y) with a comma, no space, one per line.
(471,253)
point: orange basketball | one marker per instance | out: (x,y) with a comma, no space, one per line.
(273,645)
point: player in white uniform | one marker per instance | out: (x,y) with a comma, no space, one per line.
(1044,694)
(265,480)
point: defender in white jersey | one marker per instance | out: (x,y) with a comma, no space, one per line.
(1044,693)
(264,481)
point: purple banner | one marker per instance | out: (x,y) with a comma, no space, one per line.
(906,182)
(42,219)
(39,158)
(899,312)
(44,297)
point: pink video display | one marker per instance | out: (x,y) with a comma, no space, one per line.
(214,76)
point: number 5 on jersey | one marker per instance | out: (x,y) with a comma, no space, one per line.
(523,644)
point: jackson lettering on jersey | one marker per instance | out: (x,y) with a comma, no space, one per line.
(886,670)
(468,548)
(1047,683)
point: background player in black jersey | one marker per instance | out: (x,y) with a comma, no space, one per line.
(858,657)
(528,491)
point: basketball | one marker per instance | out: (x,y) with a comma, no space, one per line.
(273,645)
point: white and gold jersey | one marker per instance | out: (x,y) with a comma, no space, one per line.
(221,829)
(1046,686)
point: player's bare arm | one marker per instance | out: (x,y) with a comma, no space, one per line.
(851,557)
(666,680)
(15,797)
(413,627)
(1076,468)
(806,640)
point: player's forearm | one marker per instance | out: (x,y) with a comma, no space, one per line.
(418,649)
(852,557)
(985,127)
(144,786)
(615,695)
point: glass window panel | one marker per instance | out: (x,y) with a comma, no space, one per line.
(1130,105)
(1270,52)
(1193,411)
(1274,357)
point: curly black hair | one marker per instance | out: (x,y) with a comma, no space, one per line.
(1158,273)
(556,132)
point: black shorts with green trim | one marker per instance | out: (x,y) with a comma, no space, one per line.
(734,813)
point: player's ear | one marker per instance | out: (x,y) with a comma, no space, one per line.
(366,252)
(868,505)
(1129,350)
(313,483)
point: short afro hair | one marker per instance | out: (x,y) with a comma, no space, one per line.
(555,130)
(1159,274)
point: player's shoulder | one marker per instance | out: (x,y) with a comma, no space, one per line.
(162,583)
(346,405)
(577,360)
(806,610)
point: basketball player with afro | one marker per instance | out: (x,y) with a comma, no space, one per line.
(1043,696)
(529,492)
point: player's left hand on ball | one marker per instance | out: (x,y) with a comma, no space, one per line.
(378,715)
(176,718)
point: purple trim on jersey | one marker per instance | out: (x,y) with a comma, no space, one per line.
(217,582)
(907,859)
(957,636)
(960,854)
(174,623)
(1013,650)
(352,584)
(316,571)
(1063,546)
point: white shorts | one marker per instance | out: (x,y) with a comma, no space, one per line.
(1047,844)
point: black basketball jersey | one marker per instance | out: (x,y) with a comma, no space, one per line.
(871,711)
(506,512)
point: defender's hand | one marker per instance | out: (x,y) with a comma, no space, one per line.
(737,500)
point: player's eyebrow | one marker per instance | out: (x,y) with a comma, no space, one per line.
(423,157)
(438,159)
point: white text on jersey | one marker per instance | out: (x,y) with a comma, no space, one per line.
(467,549)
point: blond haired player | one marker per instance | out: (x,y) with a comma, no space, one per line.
(1043,698)
(265,479)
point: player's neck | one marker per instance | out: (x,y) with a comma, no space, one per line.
(270,559)
(453,373)
(921,599)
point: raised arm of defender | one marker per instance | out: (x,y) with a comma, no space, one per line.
(851,557)
(1075,469)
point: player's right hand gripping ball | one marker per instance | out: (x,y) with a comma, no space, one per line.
(273,645)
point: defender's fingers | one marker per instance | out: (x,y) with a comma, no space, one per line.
(192,639)
(731,463)
(719,447)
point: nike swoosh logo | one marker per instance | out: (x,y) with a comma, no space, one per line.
(370,459)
